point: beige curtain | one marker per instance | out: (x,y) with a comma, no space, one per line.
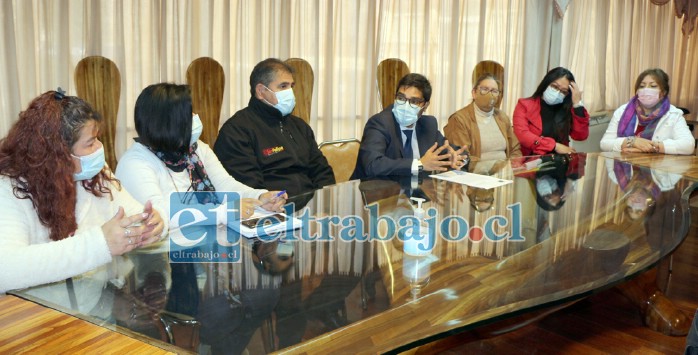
(444,40)
(155,40)
(607,44)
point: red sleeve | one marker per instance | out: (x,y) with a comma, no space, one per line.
(529,135)
(576,165)
(580,126)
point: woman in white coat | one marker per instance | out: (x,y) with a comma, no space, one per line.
(64,218)
(648,123)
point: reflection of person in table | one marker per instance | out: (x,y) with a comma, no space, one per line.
(648,123)
(553,180)
(641,186)
(65,218)
(553,177)
(239,297)
(317,295)
(482,199)
(646,191)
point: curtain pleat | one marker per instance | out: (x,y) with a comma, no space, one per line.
(605,44)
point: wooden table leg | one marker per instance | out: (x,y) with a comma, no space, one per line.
(658,312)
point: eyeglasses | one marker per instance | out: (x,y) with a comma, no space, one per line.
(564,92)
(484,91)
(414,102)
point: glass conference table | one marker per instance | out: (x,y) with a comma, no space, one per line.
(564,228)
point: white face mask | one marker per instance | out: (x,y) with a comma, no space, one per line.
(196,128)
(90,165)
(285,99)
(553,96)
(405,114)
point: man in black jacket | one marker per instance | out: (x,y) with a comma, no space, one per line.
(264,146)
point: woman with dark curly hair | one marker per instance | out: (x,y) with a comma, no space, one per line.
(63,215)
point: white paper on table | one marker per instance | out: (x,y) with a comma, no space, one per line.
(290,224)
(470,179)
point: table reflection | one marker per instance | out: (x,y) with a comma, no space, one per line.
(565,227)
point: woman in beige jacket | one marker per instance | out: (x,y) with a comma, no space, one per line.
(485,130)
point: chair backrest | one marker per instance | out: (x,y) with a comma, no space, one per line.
(178,329)
(492,67)
(99,83)
(390,71)
(206,79)
(342,155)
(305,80)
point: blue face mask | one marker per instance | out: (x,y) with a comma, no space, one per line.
(546,185)
(196,128)
(552,96)
(90,165)
(405,114)
(285,99)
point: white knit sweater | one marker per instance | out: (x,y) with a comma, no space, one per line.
(30,258)
(147,178)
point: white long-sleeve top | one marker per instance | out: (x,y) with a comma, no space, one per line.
(147,178)
(31,258)
(664,180)
(671,130)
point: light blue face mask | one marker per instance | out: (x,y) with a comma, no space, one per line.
(90,165)
(546,185)
(285,99)
(196,128)
(405,114)
(553,96)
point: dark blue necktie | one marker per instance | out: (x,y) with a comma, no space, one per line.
(407,148)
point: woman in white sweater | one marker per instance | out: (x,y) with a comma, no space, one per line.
(63,215)
(167,156)
(648,123)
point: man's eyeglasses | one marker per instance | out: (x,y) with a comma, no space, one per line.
(414,102)
(485,91)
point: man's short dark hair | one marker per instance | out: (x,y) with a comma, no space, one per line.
(265,72)
(163,117)
(418,81)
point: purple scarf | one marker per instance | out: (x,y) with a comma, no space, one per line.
(624,176)
(633,111)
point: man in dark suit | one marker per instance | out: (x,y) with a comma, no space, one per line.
(402,141)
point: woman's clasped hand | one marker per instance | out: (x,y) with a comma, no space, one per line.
(125,233)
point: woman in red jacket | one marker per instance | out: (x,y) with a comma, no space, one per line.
(545,121)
